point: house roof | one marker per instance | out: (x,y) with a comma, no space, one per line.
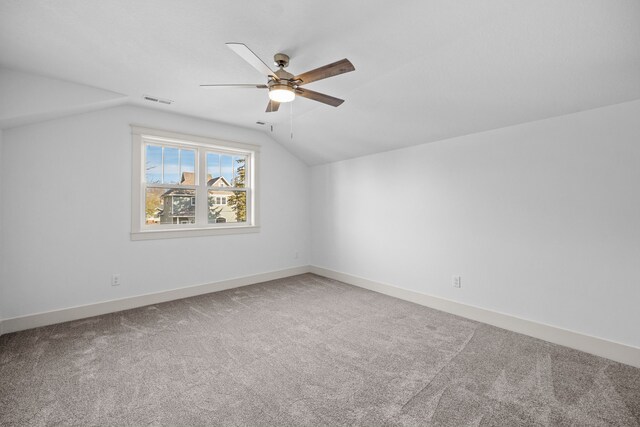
(180,192)
(188,178)
(217,179)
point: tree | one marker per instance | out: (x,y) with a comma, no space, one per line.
(153,202)
(153,198)
(238,201)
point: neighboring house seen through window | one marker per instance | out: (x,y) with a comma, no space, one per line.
(188,185)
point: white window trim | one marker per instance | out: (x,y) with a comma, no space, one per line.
(140,231)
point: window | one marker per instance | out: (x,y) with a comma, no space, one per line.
(218,200)
(191,186)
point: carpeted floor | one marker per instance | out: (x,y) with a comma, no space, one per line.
(303,351)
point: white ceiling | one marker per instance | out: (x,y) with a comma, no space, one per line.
(425,70)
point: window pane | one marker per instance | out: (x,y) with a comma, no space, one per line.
(153,205)
(188,167)
(170,206)
(171,165)
(213,167)
(239,163)
(227,206)
(226,167)
(153,164)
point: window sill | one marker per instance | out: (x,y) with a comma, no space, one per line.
(192,232)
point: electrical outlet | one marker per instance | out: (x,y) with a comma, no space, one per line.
(456,281)
(295,255)
(115,280)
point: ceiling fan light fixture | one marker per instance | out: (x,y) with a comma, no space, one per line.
(281,93)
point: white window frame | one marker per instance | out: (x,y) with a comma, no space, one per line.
(142,231)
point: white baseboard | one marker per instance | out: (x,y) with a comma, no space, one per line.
(600,347)
(74,313)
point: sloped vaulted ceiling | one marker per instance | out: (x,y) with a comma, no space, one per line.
(425,70)
(28,98)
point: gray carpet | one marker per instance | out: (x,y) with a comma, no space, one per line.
(303,351)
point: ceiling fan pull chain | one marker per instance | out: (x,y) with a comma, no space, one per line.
(291,110)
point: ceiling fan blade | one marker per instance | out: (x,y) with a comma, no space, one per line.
(320,97)
(257,86)
(272,106)
(333,69)
(245,53)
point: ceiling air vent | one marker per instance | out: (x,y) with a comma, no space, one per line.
(160,100)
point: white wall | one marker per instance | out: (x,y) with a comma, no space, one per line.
(541,220)
(66,214)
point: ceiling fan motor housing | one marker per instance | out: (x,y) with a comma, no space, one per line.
(283,88)
(281,60)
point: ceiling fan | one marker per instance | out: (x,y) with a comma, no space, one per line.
(284,86)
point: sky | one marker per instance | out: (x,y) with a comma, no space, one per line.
(178,160)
